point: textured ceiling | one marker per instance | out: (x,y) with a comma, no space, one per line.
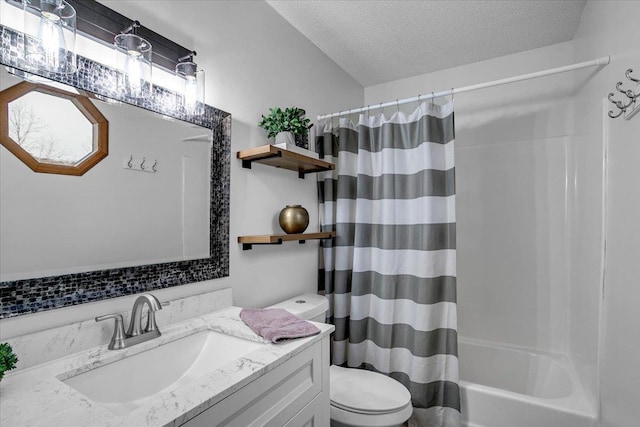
(381,41)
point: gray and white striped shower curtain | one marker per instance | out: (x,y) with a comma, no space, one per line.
(390,274)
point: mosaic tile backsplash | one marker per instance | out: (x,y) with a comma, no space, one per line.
(46,293)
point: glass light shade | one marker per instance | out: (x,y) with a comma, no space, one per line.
(191,86)
(50,36)
(134,60)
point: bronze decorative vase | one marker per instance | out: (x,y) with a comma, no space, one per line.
(294,219)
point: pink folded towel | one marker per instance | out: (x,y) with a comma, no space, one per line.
(276,324)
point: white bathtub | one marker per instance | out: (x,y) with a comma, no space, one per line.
(503,386)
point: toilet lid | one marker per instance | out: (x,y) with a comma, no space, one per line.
(366,392)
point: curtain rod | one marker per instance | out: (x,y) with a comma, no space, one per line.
(594,62)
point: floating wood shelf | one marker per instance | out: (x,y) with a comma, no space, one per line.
(277,239)
(281,158)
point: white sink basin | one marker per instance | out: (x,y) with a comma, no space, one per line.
(129,383)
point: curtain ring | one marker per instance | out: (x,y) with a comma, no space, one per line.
(433,95)
(418,101)
(452,96)
(397,105)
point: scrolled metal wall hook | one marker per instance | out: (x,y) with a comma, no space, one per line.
(615,116)
(144,159)
(628,93)
(632,106)
(621,105)
(618,105)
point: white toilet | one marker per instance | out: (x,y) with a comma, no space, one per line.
(359,398)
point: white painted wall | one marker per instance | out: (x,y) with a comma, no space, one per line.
(253,60)
(611,28)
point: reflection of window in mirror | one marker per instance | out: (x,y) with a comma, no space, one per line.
(30,127)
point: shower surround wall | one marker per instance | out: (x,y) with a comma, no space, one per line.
(529,203)
(611,28)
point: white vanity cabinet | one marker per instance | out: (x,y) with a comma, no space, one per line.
(201,382)
(293,394)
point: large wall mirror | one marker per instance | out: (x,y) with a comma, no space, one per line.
(151,214)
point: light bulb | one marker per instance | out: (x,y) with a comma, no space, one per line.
(134,73)
(134,59)
(192,85)
(50,33)
(190,93)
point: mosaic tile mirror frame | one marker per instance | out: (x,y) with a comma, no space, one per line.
(46,293)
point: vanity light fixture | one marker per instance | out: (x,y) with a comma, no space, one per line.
(191,82)
(134,60)
(50,36)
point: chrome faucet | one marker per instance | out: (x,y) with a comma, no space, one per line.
(136,334)
(135,324)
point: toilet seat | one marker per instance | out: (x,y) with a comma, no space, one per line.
(342,418)
(366,392)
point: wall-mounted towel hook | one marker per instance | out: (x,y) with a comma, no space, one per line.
(135,165)
(630,108)
(619,104)
(628,93)
(615,116)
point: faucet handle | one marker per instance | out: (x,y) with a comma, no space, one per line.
(117,340)
(151,318)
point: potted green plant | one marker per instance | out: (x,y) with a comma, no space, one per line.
(285,124)
(8,359)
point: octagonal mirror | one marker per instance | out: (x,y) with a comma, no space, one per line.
(32,129)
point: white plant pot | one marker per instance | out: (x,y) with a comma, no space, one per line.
(285,138)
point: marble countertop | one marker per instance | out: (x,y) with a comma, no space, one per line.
(37,397)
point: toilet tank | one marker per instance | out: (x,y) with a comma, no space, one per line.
(306,306)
